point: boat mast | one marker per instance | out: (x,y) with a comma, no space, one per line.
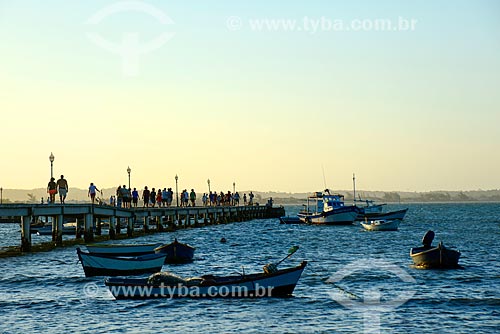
(354,186)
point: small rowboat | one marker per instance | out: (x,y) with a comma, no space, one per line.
(275,283)
(290,220)
(123,250)
(439,257)
(381,225)
(176,252)
(112,265)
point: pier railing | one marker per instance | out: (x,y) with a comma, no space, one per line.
(89,218)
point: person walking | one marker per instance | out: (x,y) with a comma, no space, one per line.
(92,191)
(52,190)
(135,197)
(62,186)
(192,197)
(145,196)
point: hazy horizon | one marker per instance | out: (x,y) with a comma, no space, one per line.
(276,107)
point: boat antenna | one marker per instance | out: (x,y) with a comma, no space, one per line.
(324,178)
(354,186)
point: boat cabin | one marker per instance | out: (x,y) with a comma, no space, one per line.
(325,201)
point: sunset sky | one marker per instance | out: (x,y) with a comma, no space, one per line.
(269,109)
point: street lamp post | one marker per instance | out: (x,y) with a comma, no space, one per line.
(128,171)
(51,159)
(234,192)
(208,181)
(176,190)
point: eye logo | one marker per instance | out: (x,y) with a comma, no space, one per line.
(372,305)
(130,49)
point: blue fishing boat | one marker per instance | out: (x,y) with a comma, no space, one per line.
(176,252)
(112,265)
(278,283)
(329,209)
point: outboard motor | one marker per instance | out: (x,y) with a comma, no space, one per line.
(427,239)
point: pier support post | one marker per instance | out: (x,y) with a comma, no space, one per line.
(130,226)
(59,231)
(88,234)
(112,224)
(118,225)
(146,224)
(159,225)
(54,228)
(25,234)
(98,230)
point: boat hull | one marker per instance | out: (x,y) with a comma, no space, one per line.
(391,225)
(176,252)
(279,284)
(109,265)
(342,216)
(123,250)
(290,220)
(435,257)
(47,230)
(393,215)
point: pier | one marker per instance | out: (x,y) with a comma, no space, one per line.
(89,218)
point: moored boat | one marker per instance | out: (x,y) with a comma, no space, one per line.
(439,257)
(290,220)
(392,215)
(381,225)
(123,249)
(68,229)
(278,283)
(111,265)
(329,210)
(176,252)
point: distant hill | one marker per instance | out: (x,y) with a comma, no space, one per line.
(76,195)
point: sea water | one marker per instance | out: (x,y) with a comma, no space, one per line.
(355,281)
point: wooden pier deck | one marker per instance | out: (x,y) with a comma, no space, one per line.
(90,216)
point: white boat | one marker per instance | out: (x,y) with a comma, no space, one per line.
(381,225)
(329,210)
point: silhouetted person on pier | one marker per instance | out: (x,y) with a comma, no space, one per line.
(52,190)
(92,191)
(63,188)
(145,197)
(192,197)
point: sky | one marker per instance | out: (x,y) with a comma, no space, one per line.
(206,90)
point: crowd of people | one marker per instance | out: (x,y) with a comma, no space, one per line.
(127,197)
(156,197)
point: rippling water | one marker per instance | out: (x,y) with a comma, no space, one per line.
(48,291)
